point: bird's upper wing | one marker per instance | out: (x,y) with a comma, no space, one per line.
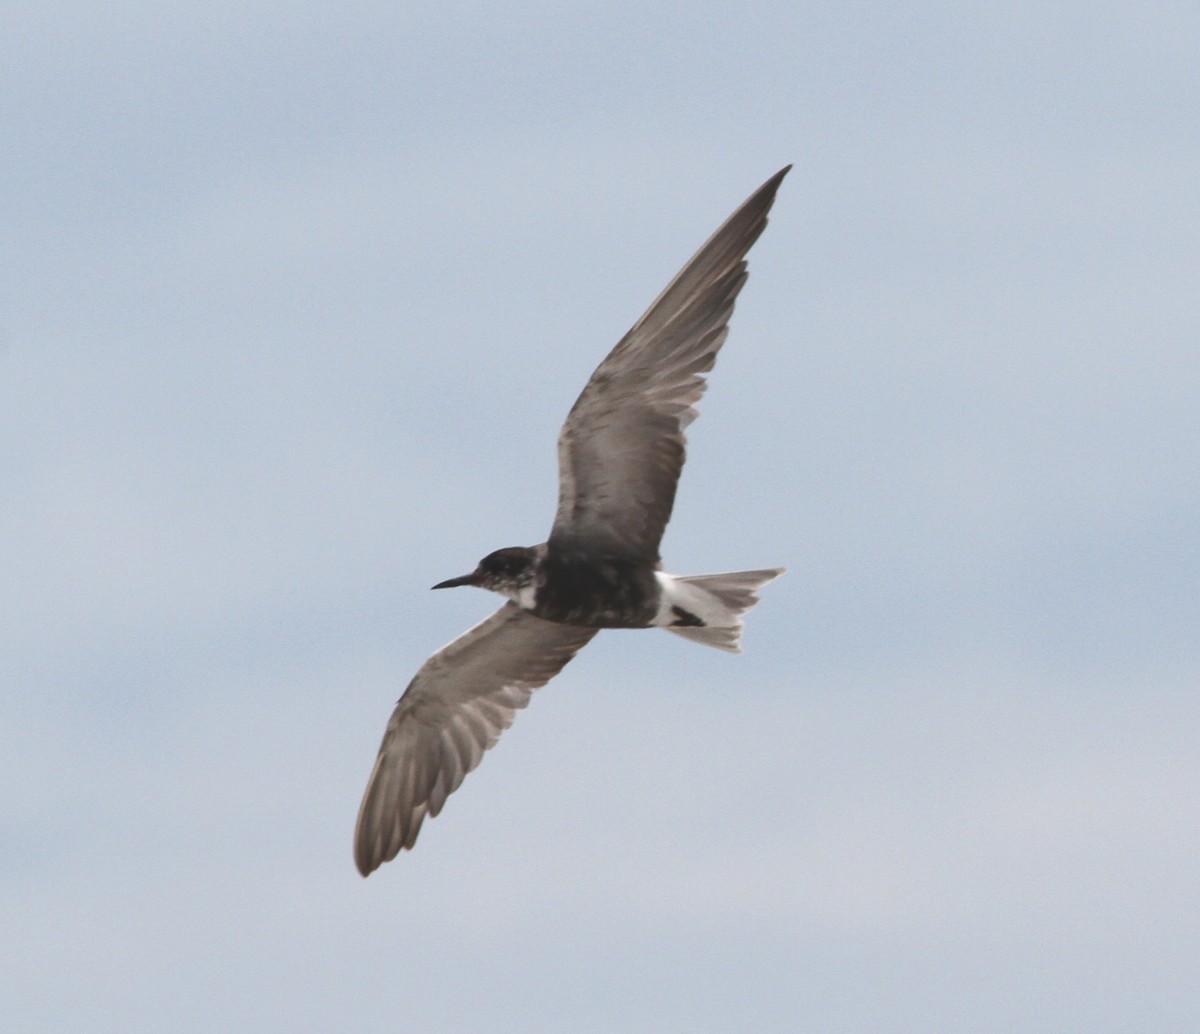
(622,446)
(454,709)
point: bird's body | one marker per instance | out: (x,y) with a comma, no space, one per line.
(620,454)
(572,587)
(599,590)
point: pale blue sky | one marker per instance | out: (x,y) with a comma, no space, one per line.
(293,301)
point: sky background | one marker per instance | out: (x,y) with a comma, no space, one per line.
(293,299)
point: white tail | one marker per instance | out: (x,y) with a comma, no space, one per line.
(716,600)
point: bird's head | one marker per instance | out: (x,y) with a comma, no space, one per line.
(505,571)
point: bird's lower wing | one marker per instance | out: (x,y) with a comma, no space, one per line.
(454,709)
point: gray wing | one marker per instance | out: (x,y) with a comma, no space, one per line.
(621,449)
(454,709)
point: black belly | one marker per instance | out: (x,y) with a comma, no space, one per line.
(597,592)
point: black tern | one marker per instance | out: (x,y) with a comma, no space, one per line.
(620,454)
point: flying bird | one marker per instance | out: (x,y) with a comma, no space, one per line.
(620,454)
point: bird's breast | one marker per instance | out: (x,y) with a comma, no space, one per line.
(596,592)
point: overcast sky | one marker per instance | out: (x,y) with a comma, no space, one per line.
(293,298)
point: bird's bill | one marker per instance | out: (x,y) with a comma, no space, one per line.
(451,583)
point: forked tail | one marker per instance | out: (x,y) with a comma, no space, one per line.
(719,601)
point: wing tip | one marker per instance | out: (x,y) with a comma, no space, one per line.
(766,193)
